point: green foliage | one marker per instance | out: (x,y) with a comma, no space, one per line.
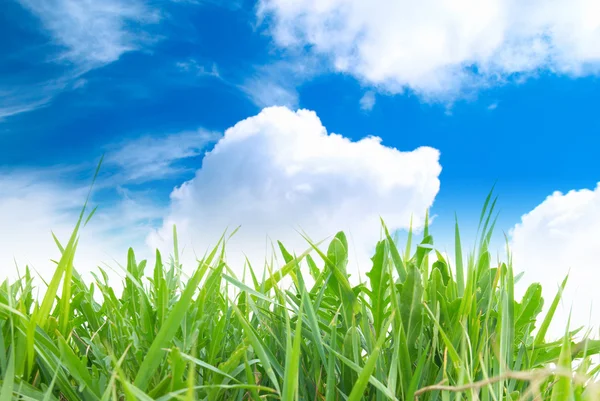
(411,326)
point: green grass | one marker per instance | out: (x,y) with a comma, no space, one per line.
(418,327)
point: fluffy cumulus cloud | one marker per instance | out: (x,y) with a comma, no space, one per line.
(35,204)
(559,235)
(441,47)
(280,172)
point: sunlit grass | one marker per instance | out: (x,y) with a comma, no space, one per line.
(435,330)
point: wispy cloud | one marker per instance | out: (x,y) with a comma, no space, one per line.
(156,157)
(85,35)
(276,83)
(131,161)
(12,106)
(198,69)
(367,102)
(93,33)
(266,92)
(25,95)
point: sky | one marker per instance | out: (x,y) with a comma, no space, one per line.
(311,116)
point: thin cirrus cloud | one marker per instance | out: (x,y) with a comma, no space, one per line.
(275,84)
(84,35)
(437,48)
(25,94)
(156,157)
(16,104)
(93,33)
(281,171)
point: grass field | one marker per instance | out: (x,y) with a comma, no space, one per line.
(419,327)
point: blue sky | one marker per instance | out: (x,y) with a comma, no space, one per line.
(500,97)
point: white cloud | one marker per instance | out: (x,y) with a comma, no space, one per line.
(87,34)
(16,106)
(559,235)
(36,201)
(154,157)
(93,33)
(271,173)
(26,95)
(431,46)
(367,102)
(194,67)
(276,84)
(35,204)
(266,93)
(279,171)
